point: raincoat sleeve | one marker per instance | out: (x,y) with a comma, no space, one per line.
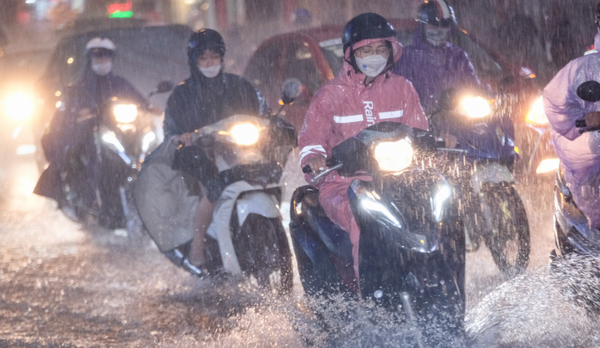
(170,127)
(413,108)
(317,127)
(561,103)
(469,75)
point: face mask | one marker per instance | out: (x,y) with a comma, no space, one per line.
(102,68)
(372,65)
(436,36)
(211,71)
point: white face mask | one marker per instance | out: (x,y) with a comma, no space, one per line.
(102,69)
(211,71)
(372,65)
(436,36)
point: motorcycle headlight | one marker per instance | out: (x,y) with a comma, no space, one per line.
(19,106)
(475,107)
(125,113)
(394,156)
(536,115)
(147,140)
(245,134)
(548,165)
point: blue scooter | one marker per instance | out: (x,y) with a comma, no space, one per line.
(480,164)
(411,252)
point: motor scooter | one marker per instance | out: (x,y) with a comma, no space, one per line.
(572,232)
(242,159)
(481,166)
(411,252)
(123,134)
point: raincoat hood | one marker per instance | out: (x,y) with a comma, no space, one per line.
(349,70)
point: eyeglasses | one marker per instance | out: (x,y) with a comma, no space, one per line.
(101,53)
(368,51)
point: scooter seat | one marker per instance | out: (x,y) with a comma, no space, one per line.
(335,239)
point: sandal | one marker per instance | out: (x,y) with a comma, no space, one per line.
(199,271)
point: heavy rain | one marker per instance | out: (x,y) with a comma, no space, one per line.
(153,198)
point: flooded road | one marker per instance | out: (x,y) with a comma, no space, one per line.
(62,285)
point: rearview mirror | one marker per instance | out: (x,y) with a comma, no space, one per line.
(589,91)
(162,87)
(291,89)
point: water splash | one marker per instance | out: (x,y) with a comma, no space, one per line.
(555,306)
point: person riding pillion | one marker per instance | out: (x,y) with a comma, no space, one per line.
(209,95)
(364,93)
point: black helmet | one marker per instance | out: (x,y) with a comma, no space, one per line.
(436,12)
(204,39)
(366,26)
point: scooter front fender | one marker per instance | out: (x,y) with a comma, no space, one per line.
(492,172)
(257,202)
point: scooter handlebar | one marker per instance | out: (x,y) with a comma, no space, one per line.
(329,162)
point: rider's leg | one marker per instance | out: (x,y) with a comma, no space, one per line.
(334,200)
(204,216)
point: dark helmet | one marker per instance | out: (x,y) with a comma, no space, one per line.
(436,12)
(366,26)
(204,39)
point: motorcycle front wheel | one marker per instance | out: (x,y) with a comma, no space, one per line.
(264,253)
(509,240)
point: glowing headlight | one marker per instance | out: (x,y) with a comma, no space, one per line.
(111,138)
(537,115)
(548,165)
(19,106)
(475,107)
(245,134)
(394,156)
(125,113)
(147,140)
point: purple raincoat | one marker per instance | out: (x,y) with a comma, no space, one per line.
(435,69)
(579,153)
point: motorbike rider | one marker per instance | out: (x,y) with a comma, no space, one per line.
(432,63)
(579,154)
(364,91)
(207,96)
(69,130)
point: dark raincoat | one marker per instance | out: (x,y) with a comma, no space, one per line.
(200,101)
(435,69)
(67,134)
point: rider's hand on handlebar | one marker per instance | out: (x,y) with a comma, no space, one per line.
(317,163)
(592,119)
(450,140)
(154,110)
(185,139)
(84,114)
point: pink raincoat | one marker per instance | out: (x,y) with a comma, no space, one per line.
(343,108)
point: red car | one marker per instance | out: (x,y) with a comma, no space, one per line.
(315,56)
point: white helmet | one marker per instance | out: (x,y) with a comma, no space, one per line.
(99,43)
